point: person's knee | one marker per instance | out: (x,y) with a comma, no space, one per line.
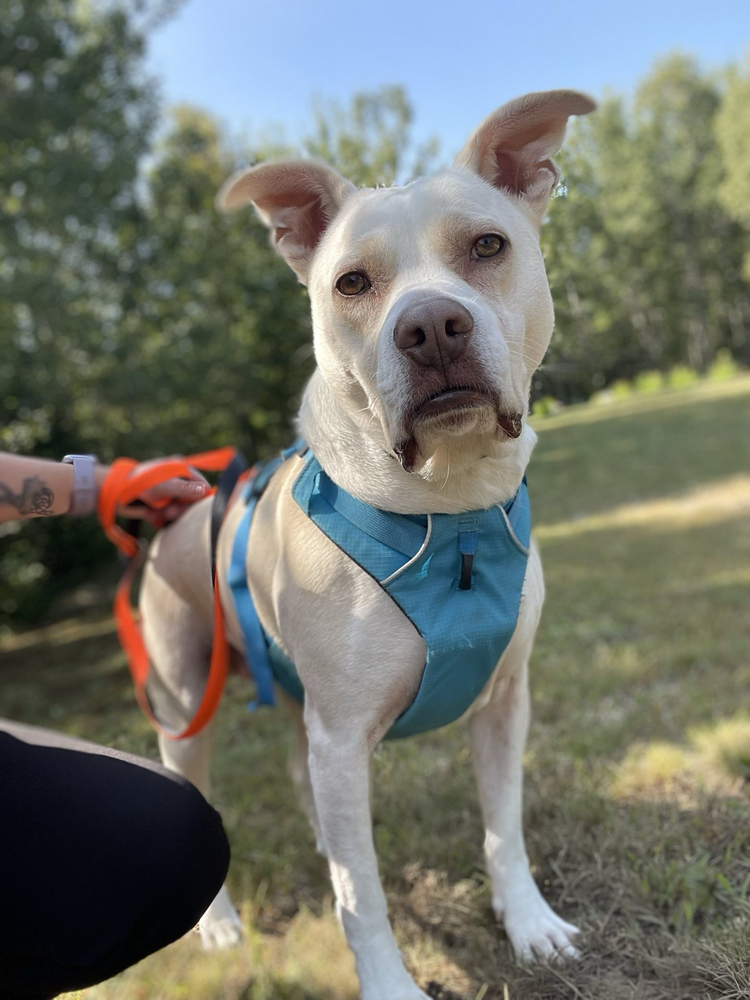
(200,847)
(134,852)
(184,867)
(181,872)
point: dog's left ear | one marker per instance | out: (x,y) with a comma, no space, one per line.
(296,199)
(513,148)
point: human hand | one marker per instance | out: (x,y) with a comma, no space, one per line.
(166,501)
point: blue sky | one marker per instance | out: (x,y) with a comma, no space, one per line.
(258,63)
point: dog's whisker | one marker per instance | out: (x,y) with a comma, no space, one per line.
(447,475)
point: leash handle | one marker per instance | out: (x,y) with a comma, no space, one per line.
(120,488)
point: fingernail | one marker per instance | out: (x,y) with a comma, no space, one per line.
(198,488)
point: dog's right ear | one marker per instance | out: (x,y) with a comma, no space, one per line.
(296,199)
(513,148)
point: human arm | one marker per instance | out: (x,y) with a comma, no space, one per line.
(39,487)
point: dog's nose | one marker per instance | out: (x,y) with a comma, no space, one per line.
(434,332)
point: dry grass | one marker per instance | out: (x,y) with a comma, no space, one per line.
(637,810)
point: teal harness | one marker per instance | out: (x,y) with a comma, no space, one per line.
(457,578)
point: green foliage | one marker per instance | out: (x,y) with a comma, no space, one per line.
(733,137)
(76,117)
(370,141)
(645,261)
(681,376)
(648,382)
(686,891)
(723,366)
(212,344)
(621,389)
(546,406)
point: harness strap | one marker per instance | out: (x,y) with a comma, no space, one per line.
(120,488)
(224,490)
(256,647)
(393,530)
(256,650)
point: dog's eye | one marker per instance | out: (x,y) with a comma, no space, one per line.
(352,283)
(489,245)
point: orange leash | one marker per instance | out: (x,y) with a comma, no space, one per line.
(119,489)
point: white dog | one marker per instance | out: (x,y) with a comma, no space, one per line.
(431,313)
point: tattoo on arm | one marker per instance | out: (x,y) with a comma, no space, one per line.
(35,497)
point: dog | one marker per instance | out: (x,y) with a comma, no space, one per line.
(431,312)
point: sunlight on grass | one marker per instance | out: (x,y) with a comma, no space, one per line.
(726,745)
(59,634)
(721,501)
(714,757)
(650,769)
(586,413)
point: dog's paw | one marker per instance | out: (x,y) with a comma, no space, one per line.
(220,925)
(535,930)
(226,933)
(548,939)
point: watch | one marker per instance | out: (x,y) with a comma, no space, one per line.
(83,494)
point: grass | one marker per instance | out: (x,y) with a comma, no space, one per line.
(637,812)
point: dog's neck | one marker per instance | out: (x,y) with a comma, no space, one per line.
(360,464)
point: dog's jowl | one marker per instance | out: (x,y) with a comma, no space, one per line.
(383,578)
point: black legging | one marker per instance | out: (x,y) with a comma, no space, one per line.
(104,858)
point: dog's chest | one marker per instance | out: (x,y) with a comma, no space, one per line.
(457,578)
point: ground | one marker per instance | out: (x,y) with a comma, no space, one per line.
(637,806)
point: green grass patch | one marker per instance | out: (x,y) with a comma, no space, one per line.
(637,812)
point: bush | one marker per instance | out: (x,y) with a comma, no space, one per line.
(648,383)
(547,406)
(681,376)
(621,389)
(723,366)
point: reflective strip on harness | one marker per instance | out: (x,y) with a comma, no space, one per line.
(389,529)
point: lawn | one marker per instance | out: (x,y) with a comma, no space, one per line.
(638,766)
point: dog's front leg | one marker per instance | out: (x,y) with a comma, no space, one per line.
(340,772)
(498,737)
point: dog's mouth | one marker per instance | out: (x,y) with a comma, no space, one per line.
(452,402)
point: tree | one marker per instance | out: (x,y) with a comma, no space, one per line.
(733,136)
(645,262)
(76,116)
(370,140)
(212,344)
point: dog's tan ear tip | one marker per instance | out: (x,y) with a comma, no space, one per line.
(582,104)
(233,193)
(566,102)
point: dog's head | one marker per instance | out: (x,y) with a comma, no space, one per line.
(430,302)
